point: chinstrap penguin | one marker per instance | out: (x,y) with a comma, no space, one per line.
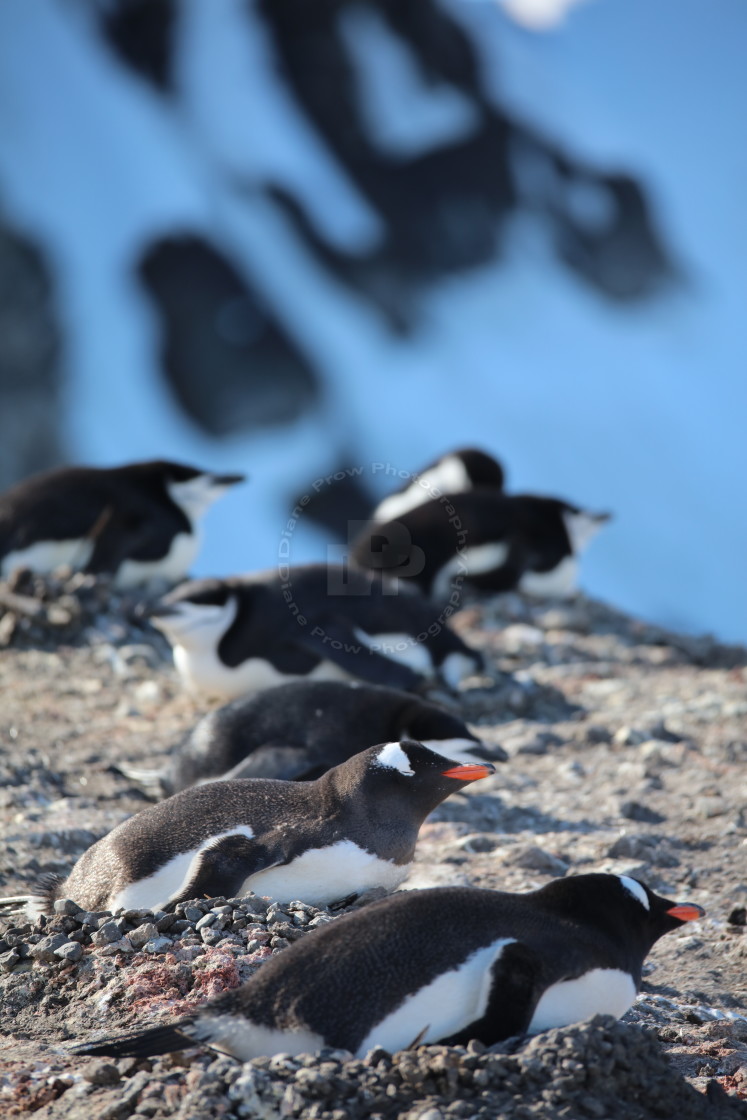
(296,731)
(466,468)
(313,622)
(491,540)
(350,830)
(443,965)
(138,521)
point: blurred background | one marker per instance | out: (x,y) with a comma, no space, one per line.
(315,237)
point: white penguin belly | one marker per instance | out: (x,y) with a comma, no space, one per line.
(172,567)
(322,875)
(448,1004)
(469,562)
(603,991)
(170,879)
(204,674)
(400,647)
(560,583)
(45,556)
(240,1037)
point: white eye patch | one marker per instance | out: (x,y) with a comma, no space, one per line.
(637,891)
(392,757)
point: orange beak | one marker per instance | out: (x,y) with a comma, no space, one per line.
(686,911)
(470,773)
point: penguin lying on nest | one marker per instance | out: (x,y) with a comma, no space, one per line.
(491,540)
(296,731)
(353,829)
(443,965)
(312,622)
(138,521)
(465,468)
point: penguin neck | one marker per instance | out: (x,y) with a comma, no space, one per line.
(630,945)
(392,816)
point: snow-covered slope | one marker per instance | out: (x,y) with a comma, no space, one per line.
(632,404)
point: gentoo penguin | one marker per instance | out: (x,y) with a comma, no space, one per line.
(138,521)
(299,730)
(247,633)
(352,829)
(442,965)
(464,469)
(492,540)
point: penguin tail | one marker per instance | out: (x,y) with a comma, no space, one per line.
(39,901)
(140,1044)
(154,782)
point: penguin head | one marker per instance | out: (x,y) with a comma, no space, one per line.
(409,772)
(620,906)
(195,491)
(482,469)
(191,489)
(197,613)
(661,915)
(581,526)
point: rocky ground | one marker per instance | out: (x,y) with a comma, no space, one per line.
(628,753)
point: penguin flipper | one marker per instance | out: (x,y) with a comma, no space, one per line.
(140,1044)
(515,987)
(340,644)
(223,868)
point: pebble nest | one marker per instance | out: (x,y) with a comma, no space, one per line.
(628,753)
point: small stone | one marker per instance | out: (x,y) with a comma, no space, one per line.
(738,917)
(70,952)
(540,744)
(102,1073)
(596,733)
(137,917)
(158,945)
(206,920)
(537,859)
(142,934)
(9,960)
(123,945)
(67,906)
(192,914)
(109,931)
(479,842)
(637,811)
(629,737)
(211,936)
(709,807)
(45,949)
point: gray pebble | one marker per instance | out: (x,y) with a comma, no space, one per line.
(67,906)
(102,1073)
(9,960)
(637,811)
(158,945)
(109,931)
(45,949)
(142,934)
(537,859)
(72,951)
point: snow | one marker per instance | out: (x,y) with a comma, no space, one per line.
(638,409)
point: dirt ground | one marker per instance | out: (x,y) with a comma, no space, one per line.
(628,753)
